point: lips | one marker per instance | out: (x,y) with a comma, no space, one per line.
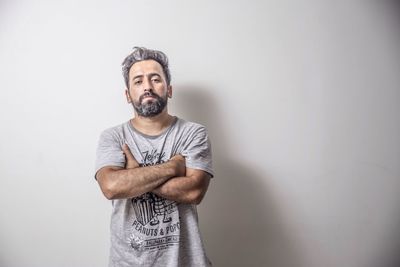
(147,95)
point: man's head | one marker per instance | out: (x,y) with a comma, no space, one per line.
(147,79)
(140,54)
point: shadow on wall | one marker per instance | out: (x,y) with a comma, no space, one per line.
(239,219)
(389,256)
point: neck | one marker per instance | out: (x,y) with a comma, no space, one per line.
(152,125)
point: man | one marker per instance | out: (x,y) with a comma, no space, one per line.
(155,168)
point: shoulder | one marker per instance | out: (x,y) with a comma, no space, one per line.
(116,131)
(192,131)
(190,125)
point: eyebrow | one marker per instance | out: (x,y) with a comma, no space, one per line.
(149,75)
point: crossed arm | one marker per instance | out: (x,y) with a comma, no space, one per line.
(171,180)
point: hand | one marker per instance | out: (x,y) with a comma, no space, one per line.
(131,162)
(180,165)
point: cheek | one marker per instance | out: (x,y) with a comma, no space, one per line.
(130,96)
(163,90)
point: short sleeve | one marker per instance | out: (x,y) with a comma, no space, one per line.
(109,151)
(197,151)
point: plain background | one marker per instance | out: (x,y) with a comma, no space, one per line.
(301,99)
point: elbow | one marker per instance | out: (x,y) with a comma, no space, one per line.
(196,197)
(199,193)
(108,187)
(196,201)
(109,194)
(109,191)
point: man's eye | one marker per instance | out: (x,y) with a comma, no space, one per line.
(156,80)
(137,82)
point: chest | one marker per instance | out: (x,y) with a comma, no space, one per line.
(153,151)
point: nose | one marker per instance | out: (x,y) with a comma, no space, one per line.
(148,86)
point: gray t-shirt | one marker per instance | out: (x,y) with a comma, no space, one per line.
(149,230)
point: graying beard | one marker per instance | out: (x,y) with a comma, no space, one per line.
(150,109)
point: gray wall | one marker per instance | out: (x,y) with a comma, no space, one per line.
(301,98)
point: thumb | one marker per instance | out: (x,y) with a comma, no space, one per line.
(130,159)
(127,152)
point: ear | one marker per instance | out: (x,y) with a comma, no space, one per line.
(169,91)
(128,97)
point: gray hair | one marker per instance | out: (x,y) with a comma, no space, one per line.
(140,54)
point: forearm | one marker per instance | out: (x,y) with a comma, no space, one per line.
(128,183)
(189,190)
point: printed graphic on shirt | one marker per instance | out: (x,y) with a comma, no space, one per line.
(156,223)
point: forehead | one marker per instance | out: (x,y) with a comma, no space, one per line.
(144,67)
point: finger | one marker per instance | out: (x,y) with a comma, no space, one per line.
(127,152)
(130,159)
(180,157)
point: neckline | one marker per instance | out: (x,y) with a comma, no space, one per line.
(129,122)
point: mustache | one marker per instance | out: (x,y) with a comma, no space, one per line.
(148,93)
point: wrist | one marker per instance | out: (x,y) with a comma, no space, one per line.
(172,168)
